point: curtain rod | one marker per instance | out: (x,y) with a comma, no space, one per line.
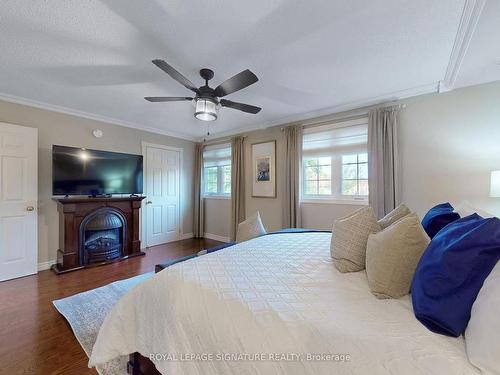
(331,121)
(393,105)
(220,141)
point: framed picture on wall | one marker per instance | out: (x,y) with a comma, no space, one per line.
(264,169)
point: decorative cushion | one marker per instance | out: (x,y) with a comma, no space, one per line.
(452,271)
(481,336)
(393,216)
(250,228)
(350,234)
(392,256)
(438,217)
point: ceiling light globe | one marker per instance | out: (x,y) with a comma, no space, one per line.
(206,110)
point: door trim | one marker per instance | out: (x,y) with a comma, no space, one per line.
(145,145)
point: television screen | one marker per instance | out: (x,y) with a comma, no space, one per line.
(80,171)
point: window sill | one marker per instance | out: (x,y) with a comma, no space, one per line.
(222,197)
(352,202)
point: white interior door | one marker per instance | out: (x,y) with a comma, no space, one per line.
(162,195)
(18,201)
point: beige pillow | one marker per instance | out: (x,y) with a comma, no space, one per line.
(250,228)
(348,246)
(392,256)
(393,216)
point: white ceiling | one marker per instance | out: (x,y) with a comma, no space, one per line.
(93,58)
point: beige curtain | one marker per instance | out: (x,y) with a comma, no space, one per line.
(198,229)
(237,184)
(383,168)
(293,162)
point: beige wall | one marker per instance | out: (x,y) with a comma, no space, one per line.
(322,215)
(448,142)
(217,217)
(57,128)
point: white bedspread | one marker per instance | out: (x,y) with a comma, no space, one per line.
(275,294)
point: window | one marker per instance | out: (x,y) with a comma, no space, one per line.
(217,171)
(318,176)
(335,161)
(355,174)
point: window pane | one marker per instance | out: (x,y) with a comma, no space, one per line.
(325,188)
(363,158)
(349,187)
(310,162)
(325,160)
(363,187)
(211,180)
(311,173)
(349,159)
(226,172)
(363,170)
(350,172)
(325,172)
(310,187)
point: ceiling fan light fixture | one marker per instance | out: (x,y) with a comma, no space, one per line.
(206,110)
(207,100)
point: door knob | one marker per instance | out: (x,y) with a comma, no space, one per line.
(30,208)
(149,202)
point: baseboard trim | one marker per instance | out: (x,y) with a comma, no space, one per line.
(216,237)
(186,236)
(43,266)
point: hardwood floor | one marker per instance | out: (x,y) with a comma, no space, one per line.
(36,339)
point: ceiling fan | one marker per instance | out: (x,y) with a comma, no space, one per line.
(207,100)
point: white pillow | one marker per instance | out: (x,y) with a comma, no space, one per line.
(482,336)
(465,209)
(250,228)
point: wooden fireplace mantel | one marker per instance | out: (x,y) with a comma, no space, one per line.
(73,210)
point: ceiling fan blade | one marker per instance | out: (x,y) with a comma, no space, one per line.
(156,99)
(170,70)
(240,106)
(235,83)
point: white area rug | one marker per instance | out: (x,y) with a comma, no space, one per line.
(86,311)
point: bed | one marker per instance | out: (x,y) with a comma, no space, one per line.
(272,305)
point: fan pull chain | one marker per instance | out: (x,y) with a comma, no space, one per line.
(208,133)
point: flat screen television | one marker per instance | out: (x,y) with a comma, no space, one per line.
(80,171)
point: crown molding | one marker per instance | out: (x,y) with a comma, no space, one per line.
(468,22)
(359,104)
(331,111)
(90,116)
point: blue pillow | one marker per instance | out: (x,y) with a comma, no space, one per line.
(451,272)
(438,217)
